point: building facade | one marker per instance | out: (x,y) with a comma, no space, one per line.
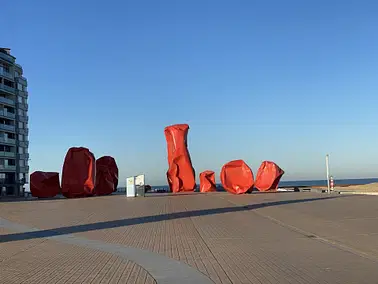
(14,130)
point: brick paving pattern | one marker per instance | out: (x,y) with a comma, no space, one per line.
(256,238)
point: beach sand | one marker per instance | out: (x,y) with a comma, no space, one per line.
(371,187)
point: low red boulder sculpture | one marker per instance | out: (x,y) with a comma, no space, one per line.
(268,176)
(79,173)
(180,174)
(44,184)
(237,177)
(207,181)
(106,175)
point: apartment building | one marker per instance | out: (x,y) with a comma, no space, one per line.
(14,130)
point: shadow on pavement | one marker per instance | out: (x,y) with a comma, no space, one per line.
(146,219)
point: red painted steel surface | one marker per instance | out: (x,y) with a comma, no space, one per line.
(44,184)
(79,173)
(207,181)
(180,174)
(237,177)
(268,176)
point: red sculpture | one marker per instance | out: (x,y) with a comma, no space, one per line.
(79,173)
(180,174)
(44,184)
(268,176)
(237,177)
(106,175)
(207,181)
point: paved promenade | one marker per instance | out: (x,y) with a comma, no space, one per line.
(191,238)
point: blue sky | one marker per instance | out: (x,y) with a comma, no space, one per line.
(286,81)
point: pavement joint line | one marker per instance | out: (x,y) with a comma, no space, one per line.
(163,269)
(313,236)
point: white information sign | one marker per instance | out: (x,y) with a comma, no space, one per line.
(130,187)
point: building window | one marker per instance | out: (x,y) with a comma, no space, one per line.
(8,83)
(20,112)
(20,150)
(11,162)
(20,137)
(22,163)
(20,100)
(20,125)
(2,175)
(16,74)
(20,87)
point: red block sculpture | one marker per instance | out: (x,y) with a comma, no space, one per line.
(207,181)
(180,174)
(106,175)
(79,173)
(268,176)
(44,184)
(237,177)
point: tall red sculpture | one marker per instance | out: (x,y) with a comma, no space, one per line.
(44,184)
(237,177)
(268,176)
(180,174)
(79,173)
(207,181)
(106,175)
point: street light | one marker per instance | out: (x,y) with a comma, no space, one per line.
(327,167)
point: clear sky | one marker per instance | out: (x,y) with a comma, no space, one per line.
(286,81)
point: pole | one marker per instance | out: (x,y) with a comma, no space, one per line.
(327,166)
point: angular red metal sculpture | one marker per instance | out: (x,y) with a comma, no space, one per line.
(44,184)
(106,175)
(79,173)
(180,174)
(268,176)
(207,181)
(237,177)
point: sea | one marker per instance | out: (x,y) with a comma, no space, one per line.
(298,183)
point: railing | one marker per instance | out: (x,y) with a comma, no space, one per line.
(7,127)
(10,168)
(23,143)
(23,106)
(24,156)
(7,57)
(8,114)
(24,169)
(23,118)
(7,88)
(6,74)
(7,140)
(7,154)
(7,101)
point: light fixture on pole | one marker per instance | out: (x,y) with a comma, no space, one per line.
(327,167)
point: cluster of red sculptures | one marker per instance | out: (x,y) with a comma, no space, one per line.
(236,176)
(82,176)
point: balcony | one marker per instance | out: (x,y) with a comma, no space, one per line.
(22,118)
(24,94)
(7,101)
(7,127)
(7,57)
(24,156)
(22,80)
(23,106)
(7,154)
(8,141)
(7,168)
(7,114)
(23,143)
(23,131)
(6,74)
(24,169)
(7,88)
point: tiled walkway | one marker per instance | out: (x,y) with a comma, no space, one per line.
(191,238)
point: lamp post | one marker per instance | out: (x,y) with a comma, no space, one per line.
(327,167)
